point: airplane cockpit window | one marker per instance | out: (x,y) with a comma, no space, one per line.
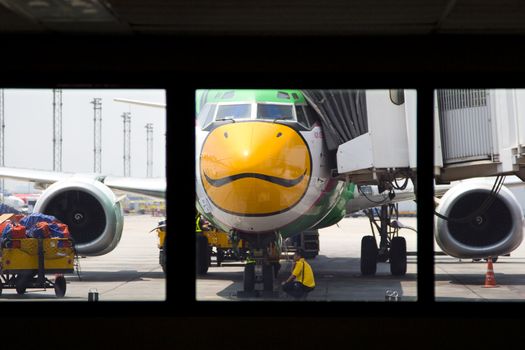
(275,111)
(235,111)
(205,116)
(228,94)
(397,96)
(305,115)
(282,94)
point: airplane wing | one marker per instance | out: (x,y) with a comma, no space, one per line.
(38,176)
(140,103)
(153,187)
(440,190)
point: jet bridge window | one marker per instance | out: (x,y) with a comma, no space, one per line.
(275,111)
(235,111)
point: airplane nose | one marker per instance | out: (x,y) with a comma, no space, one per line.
(255,168)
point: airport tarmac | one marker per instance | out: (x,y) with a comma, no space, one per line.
(336,269)
(131,272)
(464,280)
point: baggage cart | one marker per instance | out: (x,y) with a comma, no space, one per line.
(24,263)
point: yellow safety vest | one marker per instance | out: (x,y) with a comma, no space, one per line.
(303,273)
(198,224)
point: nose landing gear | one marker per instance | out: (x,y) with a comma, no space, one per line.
(262,265)
(391,248)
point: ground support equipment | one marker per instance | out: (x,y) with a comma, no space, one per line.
(24,263)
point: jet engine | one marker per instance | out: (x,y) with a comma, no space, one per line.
(497,230)
(91,211)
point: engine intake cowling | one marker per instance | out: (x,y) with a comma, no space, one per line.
(496,231)
(91,211)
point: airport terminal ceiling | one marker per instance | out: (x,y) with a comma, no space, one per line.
(353,17)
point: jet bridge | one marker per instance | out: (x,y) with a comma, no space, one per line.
(372,131)
(373,136)
(478,133)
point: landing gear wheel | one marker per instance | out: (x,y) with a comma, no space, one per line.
(21,284)
(60,286)
(276,268)
(203,255)
(267,271)
(220,256)
(398,256)
(494,259)
(368,255)
(249,277)
(162,260)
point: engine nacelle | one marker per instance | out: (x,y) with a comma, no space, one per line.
(91,211)
(496,231)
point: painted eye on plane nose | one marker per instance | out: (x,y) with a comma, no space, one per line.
(279,134)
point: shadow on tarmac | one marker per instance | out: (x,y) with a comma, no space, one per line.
(337,279)
(33,295)
(478,279)
(116,276)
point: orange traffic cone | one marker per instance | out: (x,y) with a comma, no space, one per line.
(490,281)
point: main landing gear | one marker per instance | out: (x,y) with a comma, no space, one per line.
(391,248)
(262,264)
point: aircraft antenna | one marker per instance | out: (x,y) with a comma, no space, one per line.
(57,129)
(126,116)
(97,134)
(149,143)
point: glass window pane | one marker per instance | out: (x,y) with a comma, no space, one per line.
(397,96)
(206,114)
(240,111)
(301,116)
(311,114)
(282,94)
(273,111)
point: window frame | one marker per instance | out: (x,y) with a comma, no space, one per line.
(253,114)
(220,104)
(280,104)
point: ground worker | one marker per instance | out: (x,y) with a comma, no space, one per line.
(198,223)
(201,224)
(301,281)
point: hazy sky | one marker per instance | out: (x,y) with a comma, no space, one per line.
(29,130)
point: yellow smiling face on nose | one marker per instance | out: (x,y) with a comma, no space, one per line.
(255,168)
